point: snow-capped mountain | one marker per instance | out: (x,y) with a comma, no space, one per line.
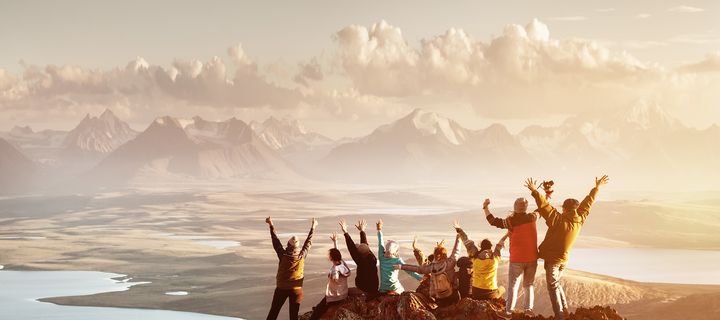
(205,149)
(98,135)
(426,146)
(16,169)
(288,135)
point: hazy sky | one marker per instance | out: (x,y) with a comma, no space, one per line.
(345,67)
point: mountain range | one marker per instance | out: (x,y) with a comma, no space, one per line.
(642,141)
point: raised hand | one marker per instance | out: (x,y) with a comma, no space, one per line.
(441,243)
(531,184)
(268,221)
(414,243)
(379,225)
(360,225)
(456,225)
(343,225)
(314,223)
(486,203)
(333,237)
(603,180)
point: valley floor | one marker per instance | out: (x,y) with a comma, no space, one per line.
(178,241)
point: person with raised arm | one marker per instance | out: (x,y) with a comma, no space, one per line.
(442,285)
(563,229)
(388,252)
(336,290)
(290,272)
(424,286)
(523,251)
(485,262)
(366,278)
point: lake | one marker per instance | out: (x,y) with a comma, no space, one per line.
(650,265)
(21,289)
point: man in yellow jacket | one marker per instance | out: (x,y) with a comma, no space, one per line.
(563,229)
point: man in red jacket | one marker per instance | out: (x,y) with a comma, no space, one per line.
(523,251)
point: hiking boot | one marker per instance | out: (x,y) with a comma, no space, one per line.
(503,314)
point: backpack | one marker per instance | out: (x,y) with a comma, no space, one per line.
(440,286)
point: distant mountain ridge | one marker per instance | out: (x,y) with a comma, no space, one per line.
(288,135)
(426,146)
(205,149)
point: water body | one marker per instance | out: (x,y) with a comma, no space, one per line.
(650,265)
(21,289)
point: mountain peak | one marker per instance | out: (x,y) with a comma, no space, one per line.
(168,121)
(649,114)
(431,123)
(98,134)
(108,114)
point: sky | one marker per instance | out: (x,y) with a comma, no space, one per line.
(343,68)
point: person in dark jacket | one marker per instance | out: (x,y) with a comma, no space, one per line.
(290,273)
(523,251)
(563,229)
(366,278)
(465,277)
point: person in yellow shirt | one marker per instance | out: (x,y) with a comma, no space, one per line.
(485,263)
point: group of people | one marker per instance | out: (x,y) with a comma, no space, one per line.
(446,278)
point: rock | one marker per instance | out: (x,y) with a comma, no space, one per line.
(411,305)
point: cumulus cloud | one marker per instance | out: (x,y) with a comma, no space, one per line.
(642,16)
(210,83)
(523,62)
(685,9)
(310,71)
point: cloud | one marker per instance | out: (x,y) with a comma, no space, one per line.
(522,62)
(642,16)
(75,89)
(711,63)
(685,9)
(569,18)
(310,71)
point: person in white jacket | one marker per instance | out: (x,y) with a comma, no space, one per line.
(337,287)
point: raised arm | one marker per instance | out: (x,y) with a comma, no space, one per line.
(277,245)
(469,244)
(500,245)
(492,220)
(381,244)
(333,238)
(308,240)
(506,223)
(586,204)
(352,248)
(361,227)
(546,210)
(456,248)
(419,255)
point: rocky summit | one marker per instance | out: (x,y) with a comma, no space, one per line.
(411,305)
